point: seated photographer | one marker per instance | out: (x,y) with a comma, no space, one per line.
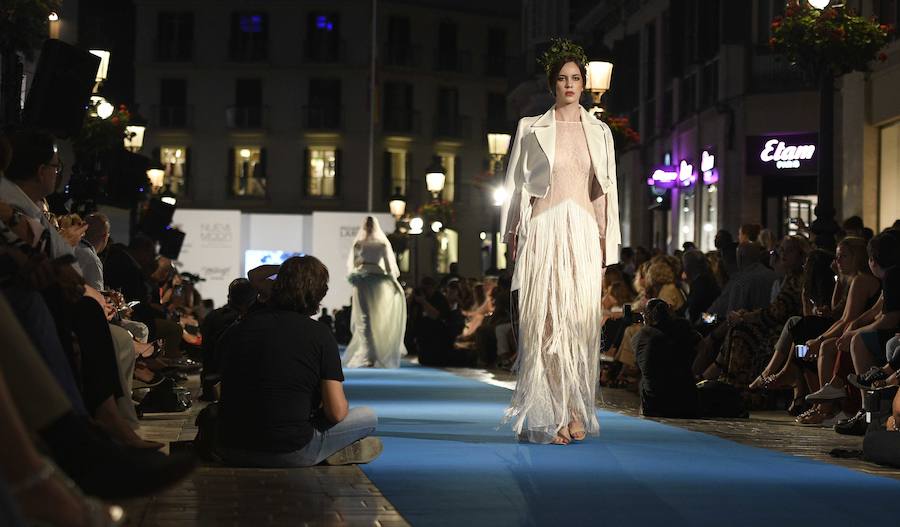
(283,404)
(241,296)
(662,286)
(664,350)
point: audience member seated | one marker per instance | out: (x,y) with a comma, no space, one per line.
(752,334)
(435,326)
(862,292)
(702,286)
(241,296)
(862,345)
(283,401)
(751,288)
(664,350)
(129,270)
(661,285)
(727,249)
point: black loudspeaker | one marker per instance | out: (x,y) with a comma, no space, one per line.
(61,89)
(156,219)
(170,243)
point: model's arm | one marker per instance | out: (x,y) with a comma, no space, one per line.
(612,235)
(509,213)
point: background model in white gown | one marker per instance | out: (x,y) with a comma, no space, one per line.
(378,319)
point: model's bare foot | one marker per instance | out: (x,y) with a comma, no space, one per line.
(576,430)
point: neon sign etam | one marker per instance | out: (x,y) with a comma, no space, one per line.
(786,156)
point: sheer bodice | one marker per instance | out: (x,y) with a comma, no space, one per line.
(572,174)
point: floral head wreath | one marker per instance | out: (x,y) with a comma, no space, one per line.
(559,49)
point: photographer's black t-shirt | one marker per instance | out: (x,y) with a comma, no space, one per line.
(890,287)
(274,363)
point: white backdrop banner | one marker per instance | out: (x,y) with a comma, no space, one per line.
(212,249)
(333,234)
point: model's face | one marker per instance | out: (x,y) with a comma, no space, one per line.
(569,84)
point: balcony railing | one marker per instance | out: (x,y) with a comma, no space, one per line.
(321,117)
(246,117)
(168,116)
(401,122)
(452,60)
(452,127)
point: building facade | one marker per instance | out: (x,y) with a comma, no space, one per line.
(265,106)
(729,130)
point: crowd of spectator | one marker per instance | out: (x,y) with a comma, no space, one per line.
(755,324)
(88,328)
(96,333)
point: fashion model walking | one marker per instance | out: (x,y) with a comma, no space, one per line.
(378,319)
(562,227)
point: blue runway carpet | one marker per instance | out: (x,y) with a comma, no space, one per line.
(445,462)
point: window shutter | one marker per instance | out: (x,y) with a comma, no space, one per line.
(229,163)
(387,179)
(337,172)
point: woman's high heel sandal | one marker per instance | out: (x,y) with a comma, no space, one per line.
(95,513)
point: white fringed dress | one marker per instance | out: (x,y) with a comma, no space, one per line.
(559,269)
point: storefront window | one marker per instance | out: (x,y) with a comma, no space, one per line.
(798,208)
(710,218)
(685,216)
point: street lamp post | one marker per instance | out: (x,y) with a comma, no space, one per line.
(416,228)
(598,80)
(824,227)
(435,177)
(397,206)
(498,146)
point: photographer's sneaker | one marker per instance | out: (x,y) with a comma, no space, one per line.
(360,452)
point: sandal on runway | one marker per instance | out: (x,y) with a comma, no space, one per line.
(577,433)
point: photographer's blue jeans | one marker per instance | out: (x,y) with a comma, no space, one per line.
(359,423)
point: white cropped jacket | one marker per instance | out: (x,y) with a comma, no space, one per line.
(529,174)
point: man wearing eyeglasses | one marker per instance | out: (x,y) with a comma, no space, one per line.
(33,175)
